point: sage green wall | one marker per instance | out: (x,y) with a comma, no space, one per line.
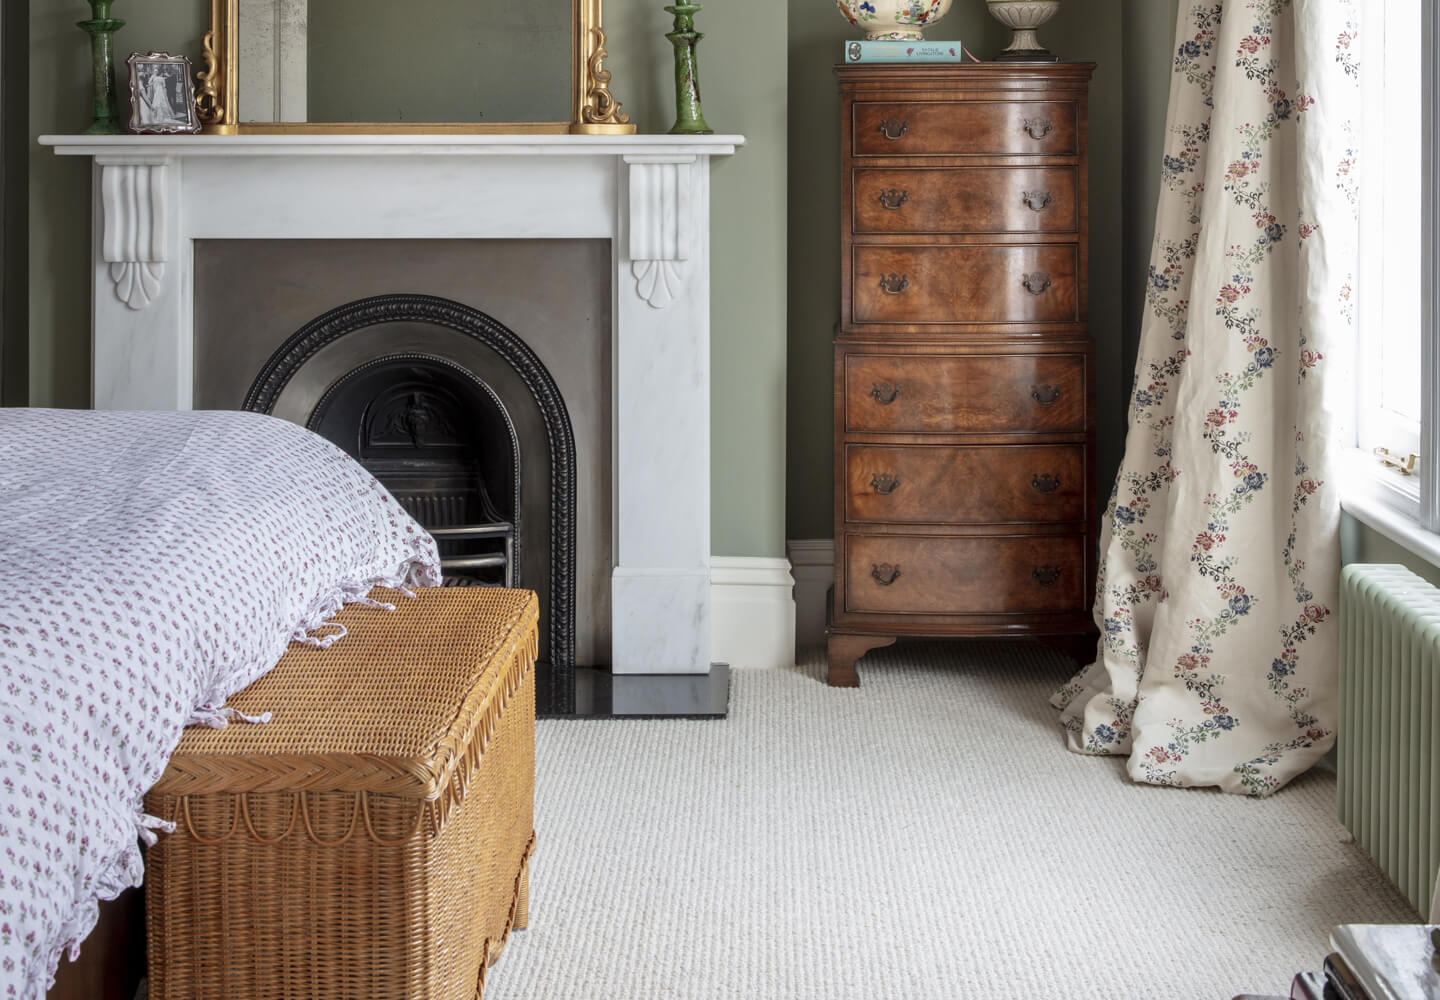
(742,70)
(60,186)
(14,91)
(746,82)
(492,62)
(742,76)
(1148,38)
(1083,31)
(1359,543)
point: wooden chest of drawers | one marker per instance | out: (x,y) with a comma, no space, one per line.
(964,369)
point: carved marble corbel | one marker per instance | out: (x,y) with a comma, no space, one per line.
(661,229)
(134,195)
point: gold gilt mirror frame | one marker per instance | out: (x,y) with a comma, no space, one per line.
(594,110)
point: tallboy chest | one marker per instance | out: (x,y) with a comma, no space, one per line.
(964,369)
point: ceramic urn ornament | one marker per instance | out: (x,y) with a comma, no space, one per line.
(1024,16)
(893,20)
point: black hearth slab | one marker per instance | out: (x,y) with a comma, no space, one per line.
(599,694)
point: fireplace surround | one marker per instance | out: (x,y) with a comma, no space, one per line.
(154,197)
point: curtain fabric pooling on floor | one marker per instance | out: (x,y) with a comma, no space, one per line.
(1219,550)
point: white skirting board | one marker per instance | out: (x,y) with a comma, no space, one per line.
(813,563)
(752,611)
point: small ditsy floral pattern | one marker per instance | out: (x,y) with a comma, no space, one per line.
(151,564)
(1219,572)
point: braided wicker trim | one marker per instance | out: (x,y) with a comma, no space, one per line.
(493,946)
(455,764)
(452,782)
(436,782)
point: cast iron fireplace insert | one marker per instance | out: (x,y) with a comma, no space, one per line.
(482,455)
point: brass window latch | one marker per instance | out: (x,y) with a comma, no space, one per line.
(1403,464)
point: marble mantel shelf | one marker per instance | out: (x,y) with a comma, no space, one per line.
(137,194)
(154,197)
(393,144)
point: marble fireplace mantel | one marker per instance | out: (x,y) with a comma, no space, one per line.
(649,195)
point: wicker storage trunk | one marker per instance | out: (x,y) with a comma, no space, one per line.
(373,840)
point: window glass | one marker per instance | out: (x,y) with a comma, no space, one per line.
(1390,321)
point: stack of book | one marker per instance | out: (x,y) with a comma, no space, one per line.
(905,52)
(1376,962)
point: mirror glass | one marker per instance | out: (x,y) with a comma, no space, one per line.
(422,61)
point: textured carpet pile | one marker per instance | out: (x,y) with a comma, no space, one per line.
(925,836)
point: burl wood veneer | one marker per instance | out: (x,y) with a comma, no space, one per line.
(968,285)
(964,381)
(976,484)
(1024,393)
(966,199)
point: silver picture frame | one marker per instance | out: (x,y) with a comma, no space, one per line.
(162,94)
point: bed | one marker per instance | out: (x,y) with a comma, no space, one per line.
(151,565)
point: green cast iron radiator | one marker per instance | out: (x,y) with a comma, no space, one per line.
(1389,734)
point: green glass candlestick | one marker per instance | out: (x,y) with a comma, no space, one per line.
(689,117)
(101,28)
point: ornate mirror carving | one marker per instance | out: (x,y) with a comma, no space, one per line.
(333,66)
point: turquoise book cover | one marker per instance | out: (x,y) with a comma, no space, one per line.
(903,52)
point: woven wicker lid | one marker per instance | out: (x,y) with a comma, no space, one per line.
(392,708)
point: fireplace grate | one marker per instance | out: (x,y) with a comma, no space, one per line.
(471,555)
(440,510)
(468,566)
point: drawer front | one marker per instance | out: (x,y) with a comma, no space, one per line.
(930,128)
(909,574)
(932,484)
(966,200)
(965,284)
(979,394)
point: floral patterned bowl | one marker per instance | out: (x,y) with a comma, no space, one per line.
(900,20)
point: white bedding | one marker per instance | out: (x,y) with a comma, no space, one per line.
(151,564)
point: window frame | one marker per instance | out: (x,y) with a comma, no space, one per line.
(1429,499)
(1373,492)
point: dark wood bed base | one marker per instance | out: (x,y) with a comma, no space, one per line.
(112,958)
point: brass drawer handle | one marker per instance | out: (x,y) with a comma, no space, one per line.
(1045,482)
(1045,395)
(885,483)
(893,129)
(1036,283)
(885,393)
(1046,576)
(894,198)
(1037,201)
(1038,128)
(885,574)
(894,284)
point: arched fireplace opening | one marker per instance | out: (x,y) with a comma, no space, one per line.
(441,441)
(466,427)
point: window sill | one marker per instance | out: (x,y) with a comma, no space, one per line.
(1386,503)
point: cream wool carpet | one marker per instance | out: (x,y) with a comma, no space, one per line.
(925,836)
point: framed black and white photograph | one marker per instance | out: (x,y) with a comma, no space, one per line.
(162,94)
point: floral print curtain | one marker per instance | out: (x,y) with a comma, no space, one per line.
(1219,574)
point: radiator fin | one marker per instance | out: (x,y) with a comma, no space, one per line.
(1388,745)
